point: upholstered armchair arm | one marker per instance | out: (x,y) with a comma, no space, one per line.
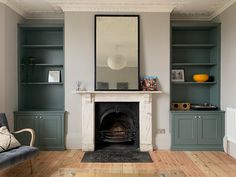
(31,131)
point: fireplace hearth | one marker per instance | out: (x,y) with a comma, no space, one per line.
(117,125)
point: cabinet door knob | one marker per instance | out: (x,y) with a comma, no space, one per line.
(195,117)
(40,117)
(36,117)
(199,117)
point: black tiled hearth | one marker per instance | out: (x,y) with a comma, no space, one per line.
(117,156)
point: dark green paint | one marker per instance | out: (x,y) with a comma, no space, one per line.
(41,104)
(48,127)
(195,47)
(197,130)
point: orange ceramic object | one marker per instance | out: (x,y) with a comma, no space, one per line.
(200,77)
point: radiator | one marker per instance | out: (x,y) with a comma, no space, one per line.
(230,131)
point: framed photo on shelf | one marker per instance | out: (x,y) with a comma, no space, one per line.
(53,76)
(177,75)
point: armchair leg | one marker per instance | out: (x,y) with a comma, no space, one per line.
(31,167)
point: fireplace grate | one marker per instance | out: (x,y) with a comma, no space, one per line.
(117,136)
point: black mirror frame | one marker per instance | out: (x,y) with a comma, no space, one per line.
(95,49)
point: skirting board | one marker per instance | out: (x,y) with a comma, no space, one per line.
(229,147)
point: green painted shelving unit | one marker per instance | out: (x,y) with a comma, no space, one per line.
(195,47)
(41,103)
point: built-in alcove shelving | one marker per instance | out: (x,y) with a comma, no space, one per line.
(41,103)
(195,48)
(40,50)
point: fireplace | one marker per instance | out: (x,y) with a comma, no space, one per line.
(142,99)
(117,125)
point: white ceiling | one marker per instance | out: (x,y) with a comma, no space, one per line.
(180,9)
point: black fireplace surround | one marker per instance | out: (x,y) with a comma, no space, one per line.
(117,125)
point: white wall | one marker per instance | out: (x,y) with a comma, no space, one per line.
(228,57)
(79,65)
(228,64)
(2,58)
(8,61)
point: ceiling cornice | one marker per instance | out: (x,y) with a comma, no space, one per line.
(221,9)
(111,6)
(202,17)
(13,6)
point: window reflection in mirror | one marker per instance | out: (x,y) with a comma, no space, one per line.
(116,52)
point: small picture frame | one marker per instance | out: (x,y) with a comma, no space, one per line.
(53,76)
(177,75)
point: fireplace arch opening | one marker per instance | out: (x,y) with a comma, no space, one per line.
(116,126)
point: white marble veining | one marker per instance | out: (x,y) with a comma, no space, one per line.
(145,114)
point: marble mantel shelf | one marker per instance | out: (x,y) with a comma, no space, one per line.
(117,92)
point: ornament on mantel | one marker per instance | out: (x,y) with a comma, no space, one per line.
(80,86)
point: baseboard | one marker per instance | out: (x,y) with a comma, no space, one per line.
(230,147)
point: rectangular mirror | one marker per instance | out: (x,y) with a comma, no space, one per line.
(116,52)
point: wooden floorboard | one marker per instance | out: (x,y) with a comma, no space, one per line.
(192,163)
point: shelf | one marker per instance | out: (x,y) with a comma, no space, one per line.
(43,65)
(42,83)
(194,83)
(42,46)
(117,92)
(194,45)
(193,64)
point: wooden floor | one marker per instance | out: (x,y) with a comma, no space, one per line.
(193,164)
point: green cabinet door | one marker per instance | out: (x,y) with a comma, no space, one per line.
(209,129)
(48,127)
(26,121)
(197,130)
(185,129)
(51,131)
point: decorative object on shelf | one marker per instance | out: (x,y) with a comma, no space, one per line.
(31,60)
(200,77)
(177,75)
(180,106)
(78,85)
(205,106)
(149,83)
(53,76)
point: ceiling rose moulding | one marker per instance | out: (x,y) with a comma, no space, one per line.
(116,7)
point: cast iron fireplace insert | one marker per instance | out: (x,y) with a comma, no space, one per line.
(117,125)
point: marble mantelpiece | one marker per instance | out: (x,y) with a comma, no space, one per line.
(89,98)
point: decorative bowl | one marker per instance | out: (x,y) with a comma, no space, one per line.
(200,77)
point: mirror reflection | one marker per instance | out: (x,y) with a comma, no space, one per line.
(117,58)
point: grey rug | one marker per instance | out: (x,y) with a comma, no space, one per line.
(117,156)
